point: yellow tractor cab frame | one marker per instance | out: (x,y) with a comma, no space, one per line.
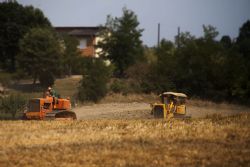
(172,105)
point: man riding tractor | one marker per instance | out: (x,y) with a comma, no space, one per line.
(51,92)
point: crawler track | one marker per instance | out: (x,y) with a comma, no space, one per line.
(60,115)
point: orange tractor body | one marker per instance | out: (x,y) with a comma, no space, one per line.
(49,108)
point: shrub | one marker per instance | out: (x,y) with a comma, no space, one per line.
(138,77)
(118,86)
(5,78)
(94,83)
(12,104)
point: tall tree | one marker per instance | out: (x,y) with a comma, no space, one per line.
(244,31)
(243,43)
(15,21)
(210,32)
(70,54)
(243,40)
(40,53)
(121,41)
(201,64)
(94,82)
(226,41)
(166,66)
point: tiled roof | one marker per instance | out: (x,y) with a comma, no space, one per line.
(79,31)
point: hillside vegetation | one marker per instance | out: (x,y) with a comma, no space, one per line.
(214,141)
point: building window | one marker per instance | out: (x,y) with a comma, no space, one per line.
(82,43)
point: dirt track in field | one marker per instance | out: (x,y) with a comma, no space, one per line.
(114,111)
(138,110)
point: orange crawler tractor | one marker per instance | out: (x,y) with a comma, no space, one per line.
(49,108)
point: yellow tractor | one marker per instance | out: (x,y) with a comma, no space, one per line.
(172,105)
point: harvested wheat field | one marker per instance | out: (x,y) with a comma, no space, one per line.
(211,141)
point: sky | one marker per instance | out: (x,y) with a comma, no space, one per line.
(226,15)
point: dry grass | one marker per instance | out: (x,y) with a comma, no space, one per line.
(200,108)
(214,141)
(119,98)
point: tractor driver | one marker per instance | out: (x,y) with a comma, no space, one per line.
(172,104)
(51,92)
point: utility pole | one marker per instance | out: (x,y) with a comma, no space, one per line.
(158,39)
(178,37)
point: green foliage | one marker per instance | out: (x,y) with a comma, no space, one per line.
(5,78)
(149,54)
(200,64)
(71,54)
(166,64)
(39,53)
(46,79)
(210,32)
(94,82)
(138,77)
(243,47)
(243,41)
(161,73)
(244,32)
(15,22)
(82,64)
(12,104)
(202,67)
(226,41)
(119,86)
(121,41)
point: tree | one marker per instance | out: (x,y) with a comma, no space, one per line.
(40,53)
(244,31)
(210,32)
(46,79)
(243,44)
(226,41)
(15,21)
(188,63)
(243,40)
(121,41)
(201,65)
(94,82)
(70,55)
(161,73)
(166,66)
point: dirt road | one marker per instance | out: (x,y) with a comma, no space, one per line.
(138,110)
(114,111)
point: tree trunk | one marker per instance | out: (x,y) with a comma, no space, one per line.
(70,71)
(34,80)
(13,63)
